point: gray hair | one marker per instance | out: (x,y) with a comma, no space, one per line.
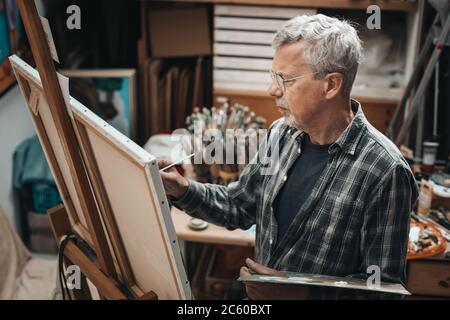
(333,45)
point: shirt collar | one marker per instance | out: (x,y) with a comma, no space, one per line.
(349,138)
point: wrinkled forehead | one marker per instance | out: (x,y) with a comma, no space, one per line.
(290,58)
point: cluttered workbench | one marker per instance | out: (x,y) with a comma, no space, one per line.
(213,256)
(429,238)
(428,278)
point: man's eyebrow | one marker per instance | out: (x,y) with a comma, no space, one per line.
(284,75)
(287,75)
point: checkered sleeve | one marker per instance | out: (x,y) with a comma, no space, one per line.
(233,206)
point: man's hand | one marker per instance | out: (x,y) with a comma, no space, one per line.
(174,183)
(270,291)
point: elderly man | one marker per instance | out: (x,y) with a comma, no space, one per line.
(341,197)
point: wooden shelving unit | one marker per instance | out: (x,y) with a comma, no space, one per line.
(378,110)
(391,5)
(378,107)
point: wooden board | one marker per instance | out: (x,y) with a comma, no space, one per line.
(394,5)
(128,192)
(48,84)
(429,277)
(126,179)
(212,234)
(42,119)
(377,111)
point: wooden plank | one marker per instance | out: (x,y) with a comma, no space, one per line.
(80,294)
(60,225)
(213,234)
(260,11)
(59,222)
(149,296)
(53,150)
(233,76)
(62,187)
(104,204)
(163,228)
(25,84)
(264,94)
(258,88)
(104,284)
(238,36)
(134,196)
(427,277)
(57,105)
(340,4)
(135,216)
(248,23)
(243,50)
(142,52)
(377,111)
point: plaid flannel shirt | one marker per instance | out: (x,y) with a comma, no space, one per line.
(357,214)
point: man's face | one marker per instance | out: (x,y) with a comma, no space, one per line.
(301,101)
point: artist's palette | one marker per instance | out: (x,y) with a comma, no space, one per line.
(424,241)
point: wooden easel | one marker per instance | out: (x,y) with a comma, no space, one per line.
(107,286)
(102,272)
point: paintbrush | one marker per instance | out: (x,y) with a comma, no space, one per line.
(177,162)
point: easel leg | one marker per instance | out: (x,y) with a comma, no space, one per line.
(83,293)
(60,224)
(106,286)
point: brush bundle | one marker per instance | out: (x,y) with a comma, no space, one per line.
(228,137)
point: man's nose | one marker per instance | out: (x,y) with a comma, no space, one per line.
(274,90)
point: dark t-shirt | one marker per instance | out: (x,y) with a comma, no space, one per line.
(301,179)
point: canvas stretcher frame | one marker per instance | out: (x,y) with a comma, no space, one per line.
(31,88)
(134,272)
(59,120)
(117,166)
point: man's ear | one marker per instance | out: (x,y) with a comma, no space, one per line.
(333,84)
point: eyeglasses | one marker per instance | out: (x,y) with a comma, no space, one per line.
(281,81)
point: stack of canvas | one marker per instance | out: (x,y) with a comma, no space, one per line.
(177,69)
(174,88)
(242,44)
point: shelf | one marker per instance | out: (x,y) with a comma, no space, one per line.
(378,103)
(248,93)
(372,98)
(392,5)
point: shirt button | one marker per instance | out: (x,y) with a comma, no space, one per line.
(284,178)
(270,241)
(299,150)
